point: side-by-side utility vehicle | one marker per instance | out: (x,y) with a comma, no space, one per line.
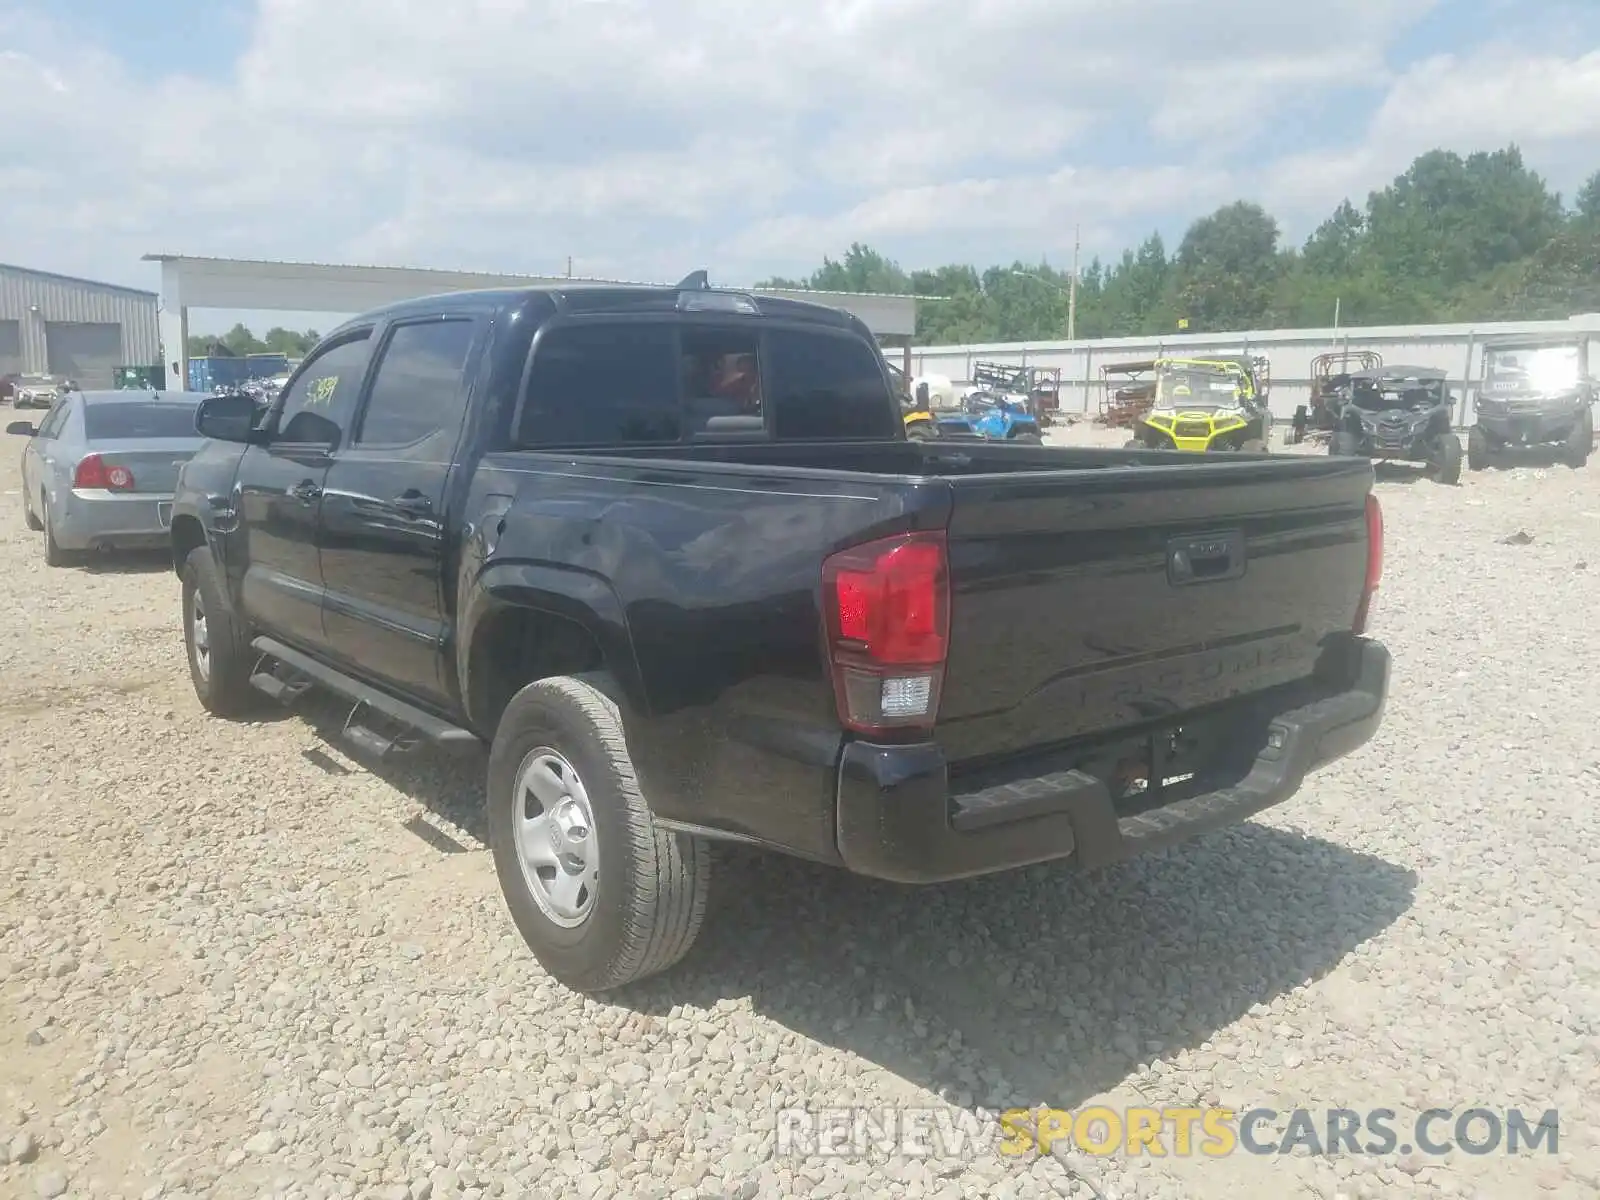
(1401,414)
(1207,404)
(1535,393)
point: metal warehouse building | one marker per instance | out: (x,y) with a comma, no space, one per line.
(74,328)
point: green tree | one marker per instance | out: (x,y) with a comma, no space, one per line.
(291,342)
(1228,268)
(1562,278)
(240,341)
(862,269)
(1338,242)
(1452,238)
(1588,202)
(1449,219)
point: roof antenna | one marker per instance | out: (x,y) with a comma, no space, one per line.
(697,281)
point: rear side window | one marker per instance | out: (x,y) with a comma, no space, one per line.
(603,384)
(50,427)
(127,421)
(827,386)
(418,394)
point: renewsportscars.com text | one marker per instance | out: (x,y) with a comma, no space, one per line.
(1161,1131)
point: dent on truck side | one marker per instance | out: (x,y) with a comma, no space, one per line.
(700,587)
(568,621)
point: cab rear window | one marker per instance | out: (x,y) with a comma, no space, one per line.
(618,383)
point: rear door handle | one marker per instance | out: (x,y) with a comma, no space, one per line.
(305,491)
(412,503)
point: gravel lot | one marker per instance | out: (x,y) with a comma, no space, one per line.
(233,962)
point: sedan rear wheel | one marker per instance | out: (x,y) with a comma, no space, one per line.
(54,554)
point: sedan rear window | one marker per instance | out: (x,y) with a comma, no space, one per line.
(135,421)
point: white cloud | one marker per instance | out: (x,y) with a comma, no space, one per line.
(644,137)
(1549,104)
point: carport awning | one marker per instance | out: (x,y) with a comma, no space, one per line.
(237,283)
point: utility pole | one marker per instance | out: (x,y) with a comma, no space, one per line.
(1072,293)
(569,266)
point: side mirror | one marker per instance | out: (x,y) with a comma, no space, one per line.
(227,418)
(22,429)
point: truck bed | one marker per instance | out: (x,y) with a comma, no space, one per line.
(1068,620)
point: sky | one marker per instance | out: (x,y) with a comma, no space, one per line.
(648,138)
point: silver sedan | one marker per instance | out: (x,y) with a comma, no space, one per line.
(98,473)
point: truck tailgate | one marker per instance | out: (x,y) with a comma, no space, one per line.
(1087,601)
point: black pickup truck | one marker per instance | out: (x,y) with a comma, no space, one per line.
(669,553)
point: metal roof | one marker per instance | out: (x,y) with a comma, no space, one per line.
(533,280)
(1533,341)
(77,280)
(1263,341)
(1400,372)
(587,296)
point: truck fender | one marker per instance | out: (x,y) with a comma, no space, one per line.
(580,597)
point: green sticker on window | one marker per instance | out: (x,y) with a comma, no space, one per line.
(320,393)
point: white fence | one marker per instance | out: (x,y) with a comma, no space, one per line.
(1455,349)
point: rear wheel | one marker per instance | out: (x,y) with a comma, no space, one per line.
(1297,431)
(601,894)
(28,519)
(1343,443)
(919,433)
(1446,462)
(1133,444)
(1579,442)
(55,555)
(1478,449)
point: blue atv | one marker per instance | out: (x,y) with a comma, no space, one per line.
(1002,419)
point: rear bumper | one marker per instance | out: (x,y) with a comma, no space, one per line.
(89,519)
(898,819)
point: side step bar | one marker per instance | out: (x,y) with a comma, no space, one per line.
(433,729)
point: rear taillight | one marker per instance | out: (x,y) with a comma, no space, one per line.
(92,472)
(887,610)
(1369,589)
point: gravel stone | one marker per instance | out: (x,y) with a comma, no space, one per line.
(242,974)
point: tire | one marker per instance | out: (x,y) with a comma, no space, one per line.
(1579,442)
(1029,439)
(54,554)
(28,519)
(221,676)
(1345,444)
(1133,444)
(640,910)
(1447,465)
(1478,449)
(919,433)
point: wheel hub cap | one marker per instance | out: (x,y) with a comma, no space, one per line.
(553,830)
(200,631)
